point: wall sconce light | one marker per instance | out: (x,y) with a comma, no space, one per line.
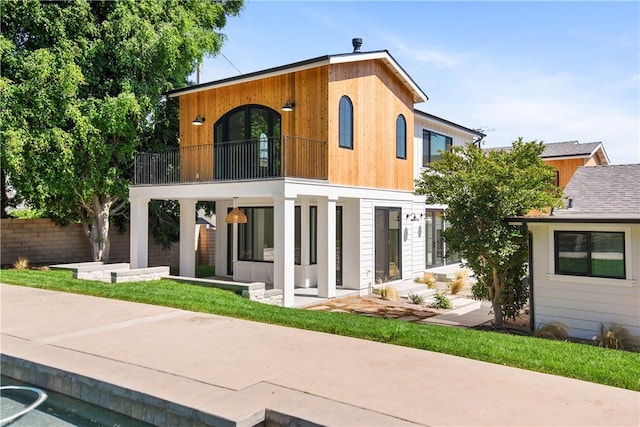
(198,120)
(288,106)
(236,216)
(414,218)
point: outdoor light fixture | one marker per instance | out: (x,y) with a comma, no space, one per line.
(288,106)
(414,217)
(198,120)
(236,216)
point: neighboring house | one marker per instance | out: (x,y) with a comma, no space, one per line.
(320,157)
(566,157)
(585,258)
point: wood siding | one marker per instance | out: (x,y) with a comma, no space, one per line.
(566,168)
(308,89)
(378,98)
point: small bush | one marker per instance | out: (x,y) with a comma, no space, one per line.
(415,298)
(456,285)
(430,280)
(387,292)
(459,282)
(441,301)
(552,330)
(618,337)
(21,264)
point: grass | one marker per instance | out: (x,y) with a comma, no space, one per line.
(590,363)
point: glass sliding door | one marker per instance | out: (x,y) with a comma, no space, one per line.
(437,254)
(388,244)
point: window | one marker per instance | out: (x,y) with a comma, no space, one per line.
(255,238)
(345,119)
(401,137)
(590,253)
(297,257)
(247,143)
(313,234)
(433,144)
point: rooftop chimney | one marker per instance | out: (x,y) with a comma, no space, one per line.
(356,45)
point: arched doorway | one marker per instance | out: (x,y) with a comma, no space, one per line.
(247,143)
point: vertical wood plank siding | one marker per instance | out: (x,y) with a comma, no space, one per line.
(566,168)
(378,98)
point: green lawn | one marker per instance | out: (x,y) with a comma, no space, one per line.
(612,367)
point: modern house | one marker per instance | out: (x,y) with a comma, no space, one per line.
(320,156)
(585,258)
(566,157)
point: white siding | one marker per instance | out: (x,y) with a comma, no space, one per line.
(459,136)
(583,303)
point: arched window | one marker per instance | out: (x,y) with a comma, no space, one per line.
(247,143)
(401,137)
(345,119)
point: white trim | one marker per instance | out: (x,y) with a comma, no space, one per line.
(290,187)
(418,94)
(628,253)
(589,280)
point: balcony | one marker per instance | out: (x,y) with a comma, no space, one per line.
(252,159)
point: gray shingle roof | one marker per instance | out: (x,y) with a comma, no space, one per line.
(562,149)
(603,191)
(569,148)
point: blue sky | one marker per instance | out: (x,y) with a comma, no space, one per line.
(549,71)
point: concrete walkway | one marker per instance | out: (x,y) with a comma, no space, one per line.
(223,371)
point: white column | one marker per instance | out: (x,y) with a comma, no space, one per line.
(326,247)
(283,235)
(139,233)
(187,237)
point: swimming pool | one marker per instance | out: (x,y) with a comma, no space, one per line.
(58,410)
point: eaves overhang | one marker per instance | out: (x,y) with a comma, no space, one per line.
(383,55)
(449,123)
(613,219)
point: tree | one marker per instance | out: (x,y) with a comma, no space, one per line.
(480,190)
(80,84)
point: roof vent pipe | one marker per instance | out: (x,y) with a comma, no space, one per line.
(570,204)
(356,45)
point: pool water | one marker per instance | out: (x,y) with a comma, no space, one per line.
(58,410)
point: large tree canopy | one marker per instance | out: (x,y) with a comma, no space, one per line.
(480,190)
(80,84)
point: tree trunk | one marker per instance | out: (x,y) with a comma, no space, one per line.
(95,222)
(495,300)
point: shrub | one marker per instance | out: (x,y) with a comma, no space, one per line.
(618,337)
(430,280)
(459,281)
(552,330)
(441,301)
(415,298)
(21,264)
(387,292)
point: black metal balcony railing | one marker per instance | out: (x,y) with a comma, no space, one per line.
(234,161)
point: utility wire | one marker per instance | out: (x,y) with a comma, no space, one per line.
(239,72)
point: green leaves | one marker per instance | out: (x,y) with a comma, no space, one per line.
(80,80)
(481,189)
